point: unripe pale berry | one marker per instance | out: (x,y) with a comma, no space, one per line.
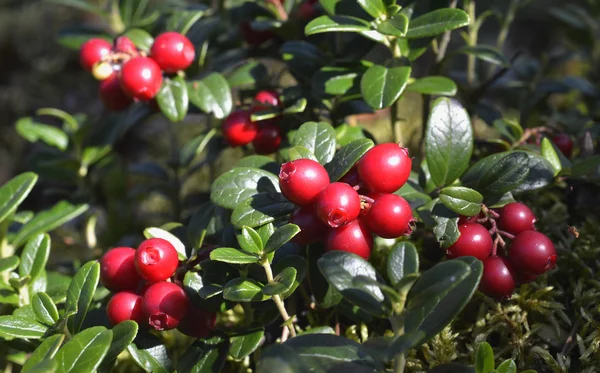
(238,129)
(141,78)
(353,237)
(515,218)
(385,168)
(125,306)
(532,252)
(93,51)
(112,95)
(266,99)
(102,70)
(268,139)
(172,51)
(156,259)
(302,180)
(390,216)
(312,229)
(337,204)
(117,270)
(164,304)
(498,279)
(475,240)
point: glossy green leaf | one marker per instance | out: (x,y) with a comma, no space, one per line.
(35,256)
(9,263)
(14,192)
(484,358)
(436,22)
(250,73)
(172,99)
(325,294)
(433,85)
(498,174)
(345,158)
(204,356)
(150,354)
(345,134)
(93,154)
(446,225)
(281,283)
(33,131)
(281,236)
(261,209)
(243,344)
(123,335)
(233,256)
(182,20)
(540,173)
(382,85)
(19,327)
(336,81)
(239,184)
(375,8)
(297,152)
(244,290)
(211,95)
(317,137)
(448,141)
(45,366)
(413,194)
(485,53)
(46,350)
(395,26)
(141,38)
(557,160)
(44,308)
(84,351)
(402,260)
(195,147)
(462,200)
(336,24)
(154,232)
(299,264)
(507,366)
(250,241)
(81,293)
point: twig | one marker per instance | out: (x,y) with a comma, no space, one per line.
(445,39)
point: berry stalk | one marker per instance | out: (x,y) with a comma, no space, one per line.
(279,303)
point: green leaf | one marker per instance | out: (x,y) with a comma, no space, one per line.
(281,283)
(345,134)
(204,356)
(395,26)
(85,351)
(8,264)
(484,358)
(555,157)
(19,327)
(35,256)
(436,23)
(448,141)
(93,154)
(45,366)
(346,158)
(462,200)
(336,81)
(250,241)
(33,131)
(319,138)
(485,53)
(508,366)
(297,152)
(299,264)
(46,350)
(433,85)
(336,24)
(150,354)
(44,308)
(281,236)
(233,256)
(195,147)
(261,209)
(245,343)
(403,260)
(48,220)
(325,294)
(446,228)
(14,192)
(381,85)
(154,232)
(239,184)
(182,20)
(250,73)
(375,8)
(244,290)
(123,335)
(413,194)
(211,95)
(172,99)
(141,38)
(81,293)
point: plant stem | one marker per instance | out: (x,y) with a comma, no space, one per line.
(504,29)
(472,40)
(399,363)
(441,52)
(277,299)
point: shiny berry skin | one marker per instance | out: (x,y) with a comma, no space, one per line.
(268,139)
(312,229)
(302,180)
(164,304)
(238,129)
(156,259)
(141,78)
(125,306)
(112,95)
(475,240)
(498,279)
(515,218)
(353,237)
(385,168)
(92,51)
(468,219)
(172,51)
(532,252)
(266,99)
(390,216)
(337,204)
(117,270)
(125,45)
(198,323)
(564,143)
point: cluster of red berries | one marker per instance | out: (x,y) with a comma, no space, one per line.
(337,213)
(143,293)
(529,254)
(265,135)
(128,74)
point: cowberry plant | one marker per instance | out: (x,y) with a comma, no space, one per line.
(263,225)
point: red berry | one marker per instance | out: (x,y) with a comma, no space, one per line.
(390,216)
(172,51)
(385,168)
(525,278)
(312,229)
(164,304)
(198,323)
(337,204)
(564,143)
(112,95)
(141,78)
(266,99)
(306,11)
(515,218)
(117,270)
(92,51)
(353,237)
(302,180)
(497,280)
(125,306)
(351,177)
(532,252)
(267,139)
(467,219)
(475,240)
(238,129)
(255,37)
(125,45)
(156,259)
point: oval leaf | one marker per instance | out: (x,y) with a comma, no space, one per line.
(250,241)
(19,327)
(381,85)
(433,85)
(233,256)
(260,209)
(172,99)
(403,260)
(245,343)
(336,24)
(244,290)
(462,200)
(211,95)
(436,23)
(81,293)
(14,192)
(281,283)
(123,335)
(484,358)
(281,236)
(35,256)
(204,356)
(318,138)
(47,350)
(85,351)
(44,308)
(241,183)
(346,158)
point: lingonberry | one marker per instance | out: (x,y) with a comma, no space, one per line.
(353,237)
(92,51)
(385,168)
(198,323)
(125,306)
(337,204)
(525,278)
(268,138)
(312,229)
(390,216)
(515,218)
(564,143)
(125,45)
(498,279)
(102,70)
(351,177)
(164,304)
(117,270)
(172,51)
(112,95)
(468,219)
(141,78)
(156,259)
(238,129)
(307,11)
(266,99)
(475,240)
(302,180)
(532,252)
